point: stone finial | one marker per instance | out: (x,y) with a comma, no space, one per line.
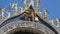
(45,14)
(37,4)
(52,22)
(40,13)
(37,0)
(25,4)
(8,15)
(57,23)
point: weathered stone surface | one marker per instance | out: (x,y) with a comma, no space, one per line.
(27,24)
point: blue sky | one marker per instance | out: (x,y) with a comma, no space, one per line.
(53,6)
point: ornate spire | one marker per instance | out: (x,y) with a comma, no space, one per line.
(37,4)
(8,15)
(37,0)
(52,23)
(32,2)
(25,4)
(15,9)
(57,23)
(20,10)
(40,13)
(2,13)
(14,6)
(45,14)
